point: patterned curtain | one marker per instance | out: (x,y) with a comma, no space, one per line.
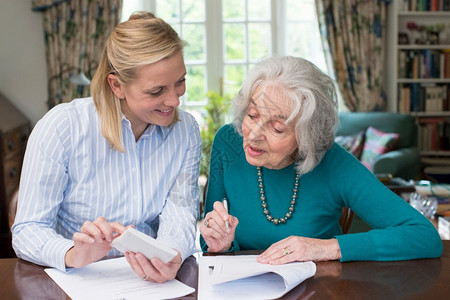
(75,33)
(354,31)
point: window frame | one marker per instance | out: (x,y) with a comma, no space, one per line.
(215,48)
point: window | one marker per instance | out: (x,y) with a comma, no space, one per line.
(226,38)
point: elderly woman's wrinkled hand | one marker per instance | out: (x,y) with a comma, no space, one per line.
(297,248)
(214,229)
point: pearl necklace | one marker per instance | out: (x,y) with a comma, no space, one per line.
(263,199)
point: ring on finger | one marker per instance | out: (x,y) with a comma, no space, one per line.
(206,222)
(286,251)
(145,277)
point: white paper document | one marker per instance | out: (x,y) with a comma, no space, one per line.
(241,277)
(133,240)
(114,279)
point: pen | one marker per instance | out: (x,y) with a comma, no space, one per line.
(225,204)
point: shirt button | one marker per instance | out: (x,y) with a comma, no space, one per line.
(134,197)
(133,170)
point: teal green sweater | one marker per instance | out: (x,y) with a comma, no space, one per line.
(399,231)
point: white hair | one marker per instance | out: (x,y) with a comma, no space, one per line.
(313,100)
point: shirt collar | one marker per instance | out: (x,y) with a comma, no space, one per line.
(162,131)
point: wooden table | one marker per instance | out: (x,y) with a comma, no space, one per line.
(415,279)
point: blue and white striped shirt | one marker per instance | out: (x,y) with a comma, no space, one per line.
(71,174)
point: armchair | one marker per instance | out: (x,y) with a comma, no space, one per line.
(404,160)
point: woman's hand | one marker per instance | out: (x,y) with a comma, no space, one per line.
(92,243)
(297,248)
(214,230)
(154,270)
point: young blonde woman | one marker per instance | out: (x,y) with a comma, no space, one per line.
(127,156)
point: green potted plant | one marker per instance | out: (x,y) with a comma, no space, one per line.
(216,112)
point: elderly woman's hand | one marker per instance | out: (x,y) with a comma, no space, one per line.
(297,248)
(214,229)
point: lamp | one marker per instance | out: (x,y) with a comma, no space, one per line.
(80,79)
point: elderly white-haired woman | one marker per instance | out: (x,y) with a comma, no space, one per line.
(286,181)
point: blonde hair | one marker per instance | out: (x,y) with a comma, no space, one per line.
(313,99)
(140,41)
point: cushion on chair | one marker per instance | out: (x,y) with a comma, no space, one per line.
(377,143)
(352,143)
(403,124)
(405,159)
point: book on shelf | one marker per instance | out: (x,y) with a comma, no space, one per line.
(416,101)
(445,97)
(423,97)
(446,62)
(423,64)
(402,63)
(434,134)
(434,98)
(424,5)
(404,98)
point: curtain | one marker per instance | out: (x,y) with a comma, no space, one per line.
(354,33)
(75,33)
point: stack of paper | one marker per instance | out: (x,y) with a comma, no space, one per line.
(241,277)
(114,279)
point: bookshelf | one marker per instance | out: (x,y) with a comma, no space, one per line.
(418,43)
